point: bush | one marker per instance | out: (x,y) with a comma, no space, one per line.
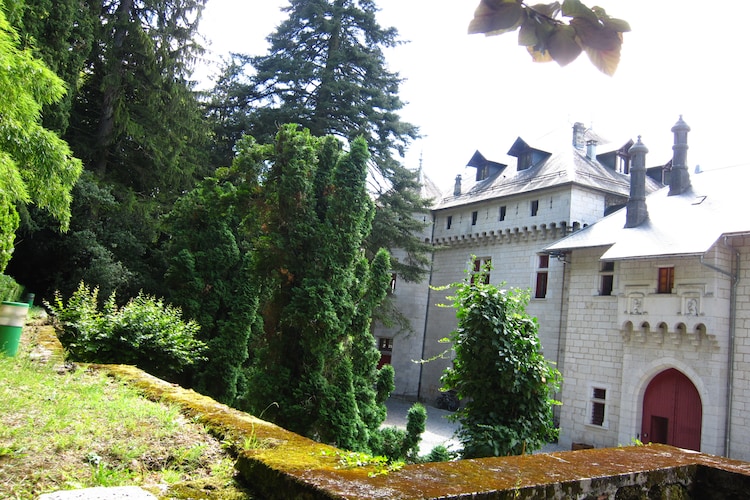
(9,289)
(145,332)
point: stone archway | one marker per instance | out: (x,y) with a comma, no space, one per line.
(672,411)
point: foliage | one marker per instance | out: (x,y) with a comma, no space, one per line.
(134,120)
(499,372)
(403,445)
(316,356)
(9,289)
(145,332)
(549,38)
(210,277)
(36,166)
(326,71)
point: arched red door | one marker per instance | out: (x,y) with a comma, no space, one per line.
(672,411)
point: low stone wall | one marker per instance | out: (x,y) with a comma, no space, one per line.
(280,464)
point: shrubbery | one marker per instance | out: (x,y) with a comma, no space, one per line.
(9,289)
(145,332)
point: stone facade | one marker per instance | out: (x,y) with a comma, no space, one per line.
(634,301)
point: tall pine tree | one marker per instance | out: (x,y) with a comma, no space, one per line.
(326,71)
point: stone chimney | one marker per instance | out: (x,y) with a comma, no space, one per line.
(457,186)
(579,132)
(679,179)
(591,149)
(637,213)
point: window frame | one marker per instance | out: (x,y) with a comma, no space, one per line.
(479,264)
(665,280)
(597,405)
(534,208)
(606,278)
(542,277)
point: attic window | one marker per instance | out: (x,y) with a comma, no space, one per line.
(483,172)
(524,160)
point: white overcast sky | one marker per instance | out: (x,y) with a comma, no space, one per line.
(469,92)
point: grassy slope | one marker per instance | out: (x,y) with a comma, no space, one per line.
(66,429)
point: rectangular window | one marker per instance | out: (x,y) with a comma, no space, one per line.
(502,213)
(392,288)
(607,278)
(448,222)
(385,344)
(598,406)
(666,280)
(534,208)
(482,264)
(541,277)
(474,216)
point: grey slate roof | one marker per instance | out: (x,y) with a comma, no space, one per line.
(686,224)
(564,164)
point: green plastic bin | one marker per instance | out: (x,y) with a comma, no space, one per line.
(12,319)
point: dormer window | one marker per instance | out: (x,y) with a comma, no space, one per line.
(524,160)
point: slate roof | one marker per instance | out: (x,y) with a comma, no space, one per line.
(561,164)
(687,224)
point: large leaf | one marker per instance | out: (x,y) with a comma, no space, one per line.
(562,45)
(575,9)
(605,61)
(596,36)
(496,17)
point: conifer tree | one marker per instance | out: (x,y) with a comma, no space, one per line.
(316,357)
(326,71)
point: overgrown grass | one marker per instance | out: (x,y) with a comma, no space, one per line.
(67,429)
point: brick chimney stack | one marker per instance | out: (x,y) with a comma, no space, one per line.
(637,213)
(679,179)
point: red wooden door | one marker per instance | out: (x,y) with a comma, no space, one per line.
(672,411)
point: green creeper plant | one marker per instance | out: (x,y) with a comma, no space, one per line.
(499,372)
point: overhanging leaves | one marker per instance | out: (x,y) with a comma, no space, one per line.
(555,32)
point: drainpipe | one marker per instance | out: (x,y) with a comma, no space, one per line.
(735,277)
(427,308)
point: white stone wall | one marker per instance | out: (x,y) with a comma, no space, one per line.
(740,414)
(513,247)
(610,344)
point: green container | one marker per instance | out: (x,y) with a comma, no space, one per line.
(12,319)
